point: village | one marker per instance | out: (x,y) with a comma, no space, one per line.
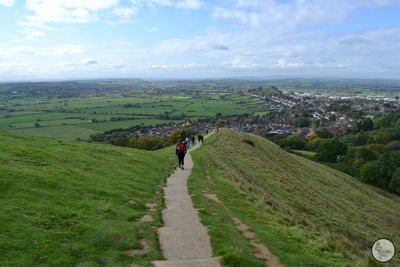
(286,113)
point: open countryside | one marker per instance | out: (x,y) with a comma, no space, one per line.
(199,133)
(79,116)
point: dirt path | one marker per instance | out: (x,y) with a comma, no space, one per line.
(184,240)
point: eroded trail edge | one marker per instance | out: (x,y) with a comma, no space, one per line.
(183,239)
(261,250)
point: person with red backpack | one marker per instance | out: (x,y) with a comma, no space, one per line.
(181,152)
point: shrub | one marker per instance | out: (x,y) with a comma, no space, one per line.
(296,142)
(385,137)
(314,144)
(370,172)
(394,185)
(357,156)
(324,133)
(302,122)
(393,146)
(377,147)
(362,139)
(330,149)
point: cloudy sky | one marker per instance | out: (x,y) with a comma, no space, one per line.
(73,39)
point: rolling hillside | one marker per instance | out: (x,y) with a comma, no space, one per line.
(66,203)
(306,213)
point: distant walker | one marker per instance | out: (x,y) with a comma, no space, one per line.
(181,152)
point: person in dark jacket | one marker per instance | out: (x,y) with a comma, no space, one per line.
(181,152)
(200,138)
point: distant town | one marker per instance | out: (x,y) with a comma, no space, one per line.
(287,113)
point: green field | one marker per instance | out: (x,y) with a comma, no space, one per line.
(308,214)
(65,203)
(53,115)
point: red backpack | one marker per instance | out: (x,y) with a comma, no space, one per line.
(181,148)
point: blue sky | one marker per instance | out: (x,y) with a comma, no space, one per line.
(73,39)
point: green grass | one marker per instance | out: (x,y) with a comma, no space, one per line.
(51,111)
(65,203)
(308,214)
(304,152)
(261,113)
(62,132)
(227,241)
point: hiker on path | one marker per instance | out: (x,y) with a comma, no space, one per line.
(187,142)
(181,152)
(193,140)
(200,138)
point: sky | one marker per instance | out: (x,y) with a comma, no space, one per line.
(197,39)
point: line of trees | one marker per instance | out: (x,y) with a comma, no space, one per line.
(369,151)
(143,141)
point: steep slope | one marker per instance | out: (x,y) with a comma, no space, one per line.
(306,213)
(76,204)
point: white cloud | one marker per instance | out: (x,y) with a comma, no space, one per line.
(189,4)
(35,34)
(87,61)
(122,43)
(184,4)
(296,13)
(152,29)
(32,24)
(67,11)
(282,64)
(7,2)
(125,12)
(224,13)
(61,50)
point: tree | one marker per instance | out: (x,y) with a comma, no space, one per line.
(393,146)
(394,185)
(315,123)
(357,156)
(329,149)
(324,133)
(362,139)
(313,143)
(370,172)
(302,122)
(221,122)
(296,142)
(385,137)
(366,125)
(387,164)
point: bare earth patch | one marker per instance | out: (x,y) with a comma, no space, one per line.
(212,197)
(145,249)
(151,206)
(147,218)
(261,250)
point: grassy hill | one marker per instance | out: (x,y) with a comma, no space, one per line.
(308,214)
(76,204)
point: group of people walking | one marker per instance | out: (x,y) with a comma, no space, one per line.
(184,146)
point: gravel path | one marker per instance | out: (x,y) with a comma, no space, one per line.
(184,240)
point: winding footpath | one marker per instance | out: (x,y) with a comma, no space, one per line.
(184,240)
